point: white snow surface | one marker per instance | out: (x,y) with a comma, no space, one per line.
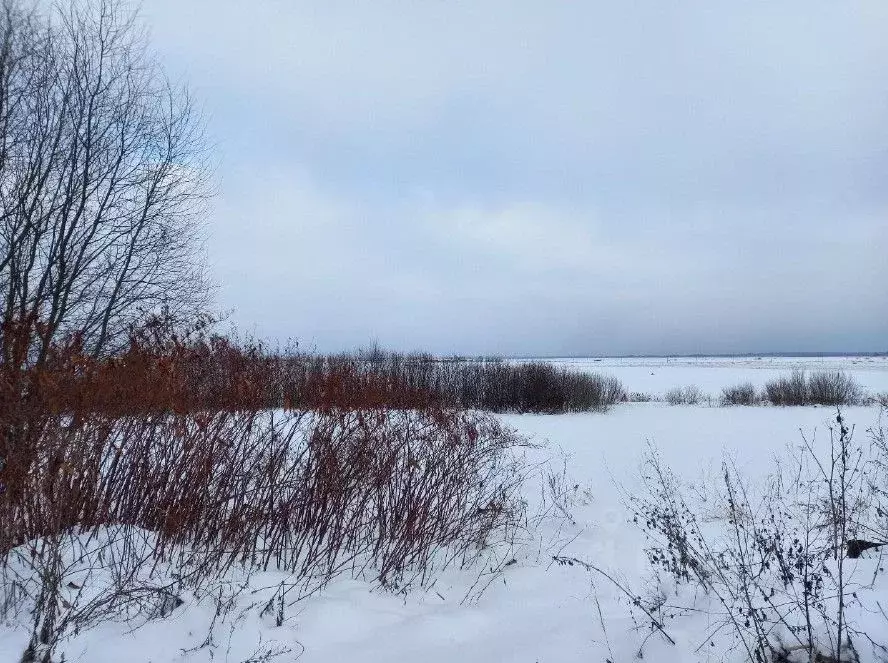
(535,611)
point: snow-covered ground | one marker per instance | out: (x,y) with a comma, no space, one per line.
(535,611)
(542,612)
(655,375)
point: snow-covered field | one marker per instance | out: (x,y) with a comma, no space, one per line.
(655,375)
(535,611)
(539,611)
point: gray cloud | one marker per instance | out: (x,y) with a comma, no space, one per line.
(546,177)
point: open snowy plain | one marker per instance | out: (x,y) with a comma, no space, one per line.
(583,468)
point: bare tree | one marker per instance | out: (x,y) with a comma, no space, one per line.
(102,178)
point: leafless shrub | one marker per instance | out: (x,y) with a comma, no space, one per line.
(878,480)
(833,388)
(791,390)
(689,395)
(674,396)
(820,388)
(390,496)
(773,560)
(740,394)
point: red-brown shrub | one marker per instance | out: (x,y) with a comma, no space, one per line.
(177,445)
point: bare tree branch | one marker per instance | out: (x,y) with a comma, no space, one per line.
(103,178)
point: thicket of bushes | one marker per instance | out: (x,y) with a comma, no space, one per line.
(689,395)
(162,371)
(488,384)
(166,456)
(740,394)
(818,388)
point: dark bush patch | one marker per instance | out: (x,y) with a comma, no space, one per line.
(821,388)
(789,390)
(833,388)
(740,394)
(488,384)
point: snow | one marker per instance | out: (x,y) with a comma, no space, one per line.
(542,612)
(534,610)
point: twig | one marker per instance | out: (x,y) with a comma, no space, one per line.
(636,601)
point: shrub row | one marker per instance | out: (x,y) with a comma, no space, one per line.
(164,372)
(486,384)
(797,388)
(307,492)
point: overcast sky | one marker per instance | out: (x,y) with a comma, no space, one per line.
(545,177)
